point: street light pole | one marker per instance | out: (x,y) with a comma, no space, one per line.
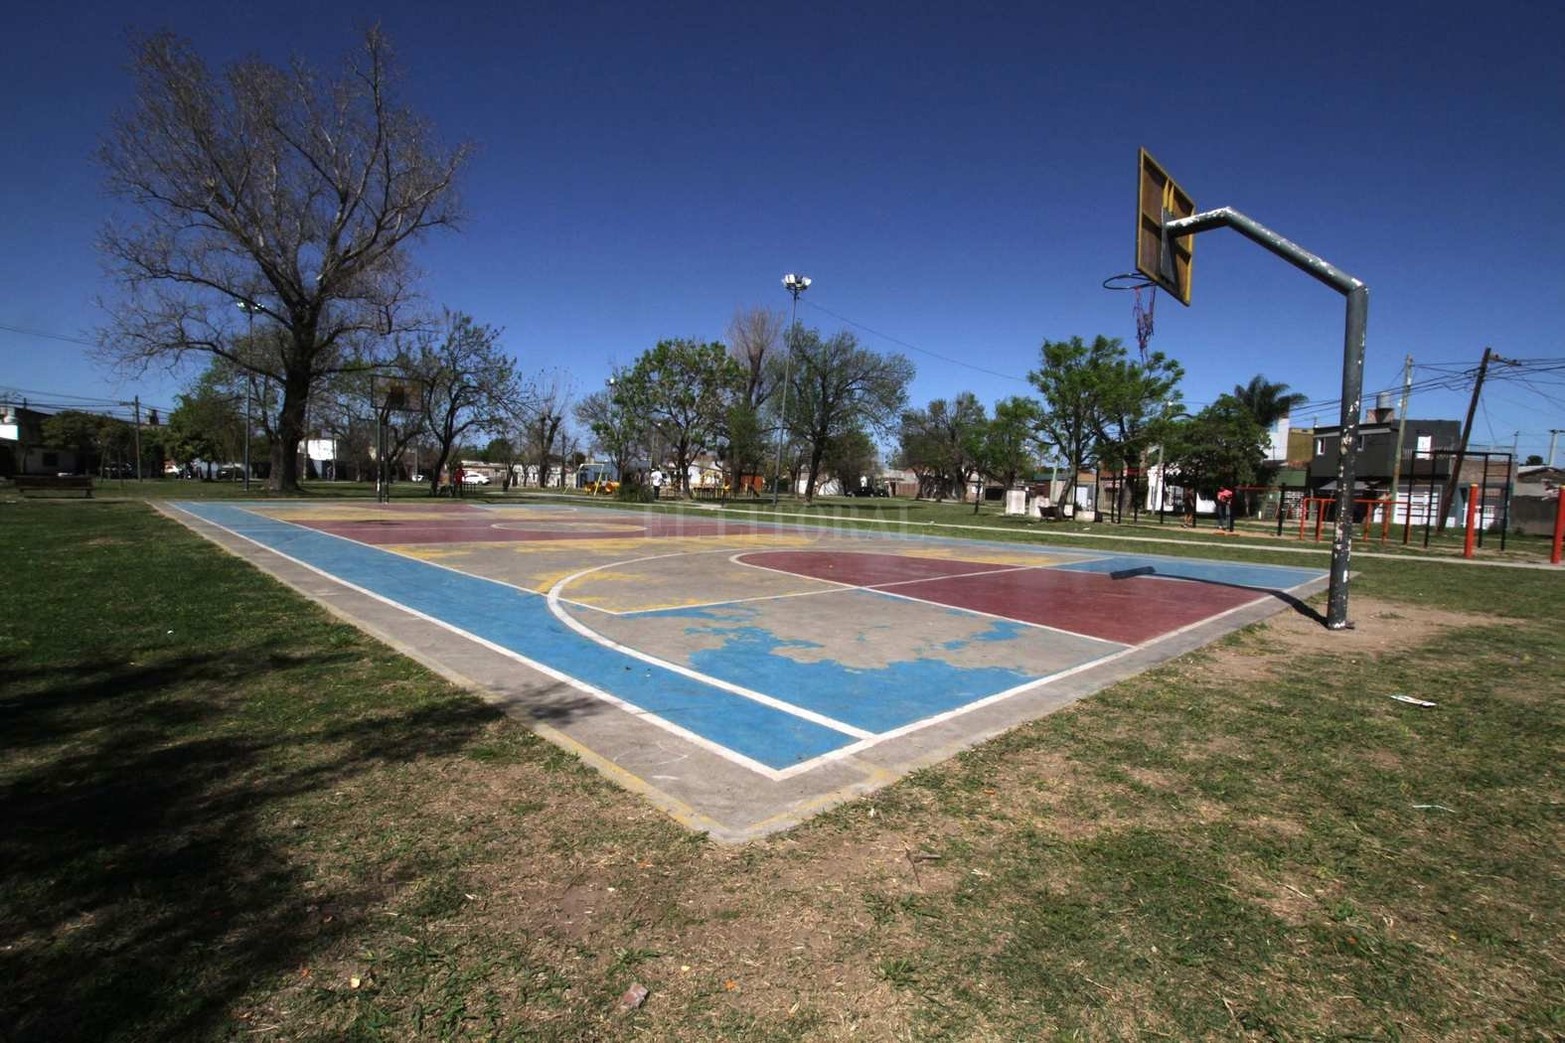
(247,432)
(794,284)
(249,307)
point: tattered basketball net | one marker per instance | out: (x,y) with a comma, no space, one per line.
(1143,308)
(1144,314)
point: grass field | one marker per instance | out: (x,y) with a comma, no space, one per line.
(229,815)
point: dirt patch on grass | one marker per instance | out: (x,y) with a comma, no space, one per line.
(1378,627)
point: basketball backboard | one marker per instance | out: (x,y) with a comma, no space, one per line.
(1159,199)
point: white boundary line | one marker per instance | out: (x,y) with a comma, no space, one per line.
(940,604)
(684,671)
(640,713)
(866,739)
(1027,686)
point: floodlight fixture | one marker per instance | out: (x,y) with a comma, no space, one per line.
(794,284)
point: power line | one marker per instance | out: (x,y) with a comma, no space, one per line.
(49,336)
(61,401)
(64,396)
(914,347)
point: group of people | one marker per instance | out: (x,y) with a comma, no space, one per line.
(1225,509)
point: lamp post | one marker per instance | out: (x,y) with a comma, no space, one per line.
(382,493)
(248,395)
(794,284)
(249,307)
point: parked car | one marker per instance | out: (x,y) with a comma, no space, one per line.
(420,477)
(118,471)
(474,478)
(171,470)
(870,490)
(230,472)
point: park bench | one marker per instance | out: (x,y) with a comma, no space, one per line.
(26,484)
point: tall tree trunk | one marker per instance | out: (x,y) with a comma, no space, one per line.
(290,432)
(817,452)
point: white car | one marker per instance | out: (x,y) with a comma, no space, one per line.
(420,477)
(474,478)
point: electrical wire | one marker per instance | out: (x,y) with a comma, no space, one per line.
(49,336)
(913,347)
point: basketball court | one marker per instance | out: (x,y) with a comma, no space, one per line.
(741,674)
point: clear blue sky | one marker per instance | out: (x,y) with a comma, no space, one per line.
(957,178)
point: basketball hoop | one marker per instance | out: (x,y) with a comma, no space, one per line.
(1127,281)
(1143,309)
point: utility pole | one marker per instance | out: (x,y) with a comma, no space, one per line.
(1396,460)
(1448,495)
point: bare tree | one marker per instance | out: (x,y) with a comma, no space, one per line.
(546,413)
(466,384)
(269,198)
(617,428)
(837,386)
(755,342)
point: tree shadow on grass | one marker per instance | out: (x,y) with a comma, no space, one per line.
(144,886)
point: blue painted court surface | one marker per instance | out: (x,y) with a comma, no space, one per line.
(778,649)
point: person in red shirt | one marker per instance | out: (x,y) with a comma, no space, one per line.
(1225,509)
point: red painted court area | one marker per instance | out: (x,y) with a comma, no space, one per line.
(1129,609)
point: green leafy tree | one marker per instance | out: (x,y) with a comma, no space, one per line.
(1134,395)
(92,437)
(269,199)
(503,452)
(850,456)
(215,417)
(685,389)
(1069,380)
(1010,446)
(614,424)
(1097,401)
(1221,445)
(1267,402)
(943,443)
(837,386)
(153,449)
(746,451)
(206,424)
(919,450)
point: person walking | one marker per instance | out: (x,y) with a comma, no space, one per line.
(1225,509)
